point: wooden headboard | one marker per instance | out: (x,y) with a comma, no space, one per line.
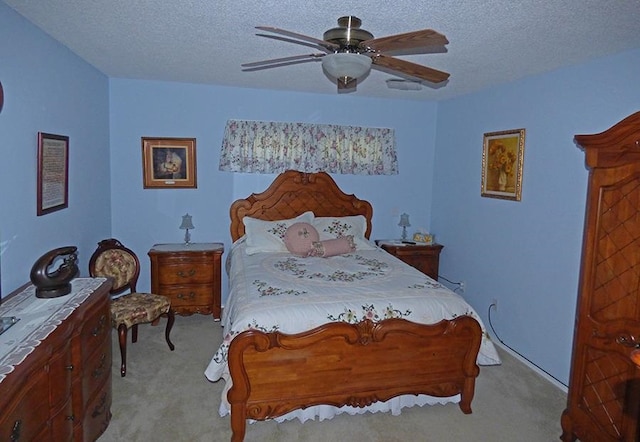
(293,193)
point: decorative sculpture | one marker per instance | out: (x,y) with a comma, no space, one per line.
(52,284)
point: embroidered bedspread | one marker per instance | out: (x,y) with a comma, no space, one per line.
(281,292)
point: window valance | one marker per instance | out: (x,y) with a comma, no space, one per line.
(274,147)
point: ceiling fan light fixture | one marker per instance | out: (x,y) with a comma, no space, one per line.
(346,64)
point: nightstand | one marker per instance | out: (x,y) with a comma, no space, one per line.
(190,275)
(425,258)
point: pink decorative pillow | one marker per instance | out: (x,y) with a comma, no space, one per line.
(299,239)
(333,247)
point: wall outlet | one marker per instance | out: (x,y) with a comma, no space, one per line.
(462,286)
(494,304)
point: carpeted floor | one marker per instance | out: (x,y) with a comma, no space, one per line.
(165,397)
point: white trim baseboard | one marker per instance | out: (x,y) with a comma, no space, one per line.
(536,369)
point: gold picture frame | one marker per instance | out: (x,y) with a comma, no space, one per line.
(169,163)
(502,162)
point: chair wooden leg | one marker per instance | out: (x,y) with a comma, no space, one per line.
(170,318)
(122,339)
(134,333)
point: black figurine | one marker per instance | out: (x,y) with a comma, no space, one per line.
(58,282)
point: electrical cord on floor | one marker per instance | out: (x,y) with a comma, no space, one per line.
(516,351)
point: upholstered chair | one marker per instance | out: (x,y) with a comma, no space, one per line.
(128,307)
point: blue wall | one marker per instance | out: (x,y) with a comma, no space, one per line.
(49,89)
(144,217)
(524,254)
(527,254)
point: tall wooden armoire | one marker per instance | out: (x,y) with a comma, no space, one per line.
(604,388)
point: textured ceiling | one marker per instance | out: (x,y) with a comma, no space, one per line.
(205,41)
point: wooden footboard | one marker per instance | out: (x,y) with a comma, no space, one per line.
(350,364)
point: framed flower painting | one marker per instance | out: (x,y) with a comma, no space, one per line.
(169,163)
(502,161)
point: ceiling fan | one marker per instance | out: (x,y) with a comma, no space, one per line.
(349,52)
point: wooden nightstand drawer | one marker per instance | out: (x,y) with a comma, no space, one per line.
(189,294)
(425,258)
(183,271)
(189,275)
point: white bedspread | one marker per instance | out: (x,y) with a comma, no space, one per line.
(278,291)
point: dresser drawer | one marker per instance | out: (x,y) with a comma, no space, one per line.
(61,370)
(95,331)
(96,371)
(62,423)
(177,271)
(25,417)
(97,415)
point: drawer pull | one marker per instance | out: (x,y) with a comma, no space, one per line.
(100,368)
(628,341)
(70,418)
(183,296)
(186,275)
(69,367)
(97,330)
(15,432)
(101,407)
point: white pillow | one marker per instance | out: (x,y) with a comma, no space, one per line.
(268,236)
(330,227)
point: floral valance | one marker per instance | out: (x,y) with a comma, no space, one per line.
(273,147)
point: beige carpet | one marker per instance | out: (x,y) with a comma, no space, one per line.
(165,397)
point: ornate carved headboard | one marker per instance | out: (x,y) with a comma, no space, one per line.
(293,193)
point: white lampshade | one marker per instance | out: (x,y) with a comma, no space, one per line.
(346,64)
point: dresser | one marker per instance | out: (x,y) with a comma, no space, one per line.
(55,364)
(603,402)
(425,258)
(189,274)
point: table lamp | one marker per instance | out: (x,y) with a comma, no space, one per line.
(404,223)
(186,225)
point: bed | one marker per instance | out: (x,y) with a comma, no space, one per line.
(378,351)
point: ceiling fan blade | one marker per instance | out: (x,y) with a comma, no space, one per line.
(298,42)
(277,65)
(409,68)
(331,47)
(281,60)
(410,40)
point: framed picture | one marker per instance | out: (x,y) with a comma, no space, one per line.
(53,173)
(169,163)
(502,160)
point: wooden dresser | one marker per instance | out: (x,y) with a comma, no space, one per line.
(55,364)
(425,258)
(189,274)
(603,402)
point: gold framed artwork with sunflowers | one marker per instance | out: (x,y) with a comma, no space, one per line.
(502,161)
(169,163)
